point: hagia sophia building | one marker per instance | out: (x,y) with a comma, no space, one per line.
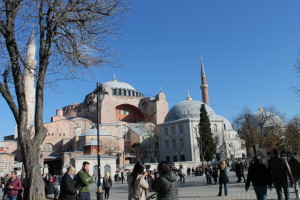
(127,117)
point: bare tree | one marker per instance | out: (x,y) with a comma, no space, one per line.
(260,129)
(72,35)
(110,147)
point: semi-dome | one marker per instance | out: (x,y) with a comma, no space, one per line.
(188,109)
(266,119)
(93,131)
(227,124)
(118,84)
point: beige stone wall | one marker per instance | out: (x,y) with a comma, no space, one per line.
(6,163)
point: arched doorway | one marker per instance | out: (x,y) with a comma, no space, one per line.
(95,169)
(107,168)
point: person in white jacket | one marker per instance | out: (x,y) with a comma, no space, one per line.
(137,185)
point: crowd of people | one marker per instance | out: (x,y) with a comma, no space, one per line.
(163,180)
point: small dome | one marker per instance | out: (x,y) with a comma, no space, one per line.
(267,118)
(118,84)
(188,109)
(93,131)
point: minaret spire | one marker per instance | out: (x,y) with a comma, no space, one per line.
(29,78)
(189,98)
(115,78)
(204,86)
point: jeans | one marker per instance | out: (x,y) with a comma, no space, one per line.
(225,189)
(182,178)
(12,197)
(84,196)
(106,194)
(282,184)
(296,187)
(261,192)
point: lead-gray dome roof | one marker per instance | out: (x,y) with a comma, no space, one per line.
(118,84)
(188,109)
(93,131)
(266,119)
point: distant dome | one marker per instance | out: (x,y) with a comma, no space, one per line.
(93,131)
(188,109)
(267,118)
(118,84)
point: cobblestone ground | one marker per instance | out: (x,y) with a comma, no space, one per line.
(196,188)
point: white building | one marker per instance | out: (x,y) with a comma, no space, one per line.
(177,135)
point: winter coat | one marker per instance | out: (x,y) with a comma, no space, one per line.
(259,175)
(50,188)
(17,186)
(107,183)
(223,178)
(280,169)
(295,166)
(137,187)
(166,187)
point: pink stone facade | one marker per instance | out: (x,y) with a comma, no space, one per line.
(72,132)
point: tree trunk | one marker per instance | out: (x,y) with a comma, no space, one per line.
(254,150)
(34,186)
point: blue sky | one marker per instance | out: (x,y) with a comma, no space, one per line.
(249,49)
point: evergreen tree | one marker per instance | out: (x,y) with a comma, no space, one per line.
(207,145)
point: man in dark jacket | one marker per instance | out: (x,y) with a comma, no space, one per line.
(295,168)
(260,177)
(68,189)
(280,169)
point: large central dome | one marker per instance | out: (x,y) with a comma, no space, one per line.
(118,84)
(188,109)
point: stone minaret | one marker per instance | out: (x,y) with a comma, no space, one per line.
(204,86)
(29,77)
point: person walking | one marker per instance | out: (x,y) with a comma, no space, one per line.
(122,177)
(68,190)
(181,176)
(223,179)
(166,185)
(295,168)
(215,174)
(137,185)
(83,181)
(280,171)
(208,173)
(13,187)
(188,172)
(107,184)
(260,177)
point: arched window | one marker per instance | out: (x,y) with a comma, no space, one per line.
(215,128)
(181,142)
(224,126)
(167,144)
(216,140)
(174,143)
(48,147)
(83,125)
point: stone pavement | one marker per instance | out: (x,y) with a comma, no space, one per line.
(196,188)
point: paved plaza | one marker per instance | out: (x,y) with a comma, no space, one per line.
(196,188)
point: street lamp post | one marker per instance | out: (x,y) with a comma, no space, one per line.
(100,92)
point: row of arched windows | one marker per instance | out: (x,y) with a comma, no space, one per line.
(126,92)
